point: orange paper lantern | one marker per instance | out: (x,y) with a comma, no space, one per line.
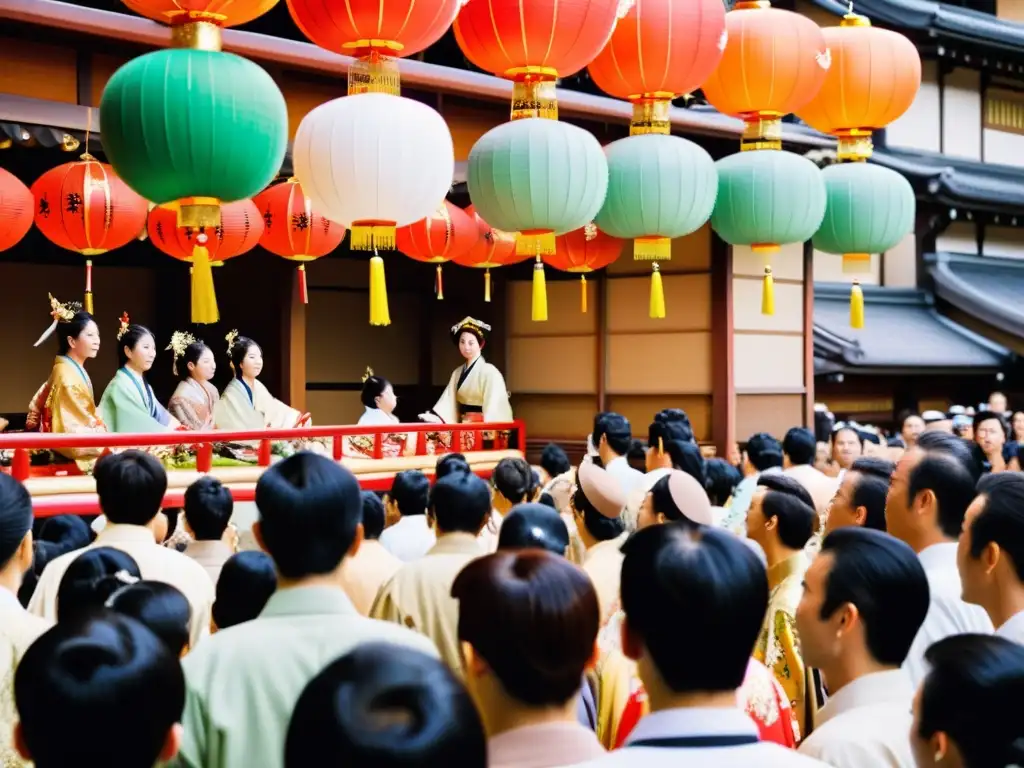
(223,13)
(582,251)
(15,210)
(874,78)
(444,235)
(85,207)
(658,51)
(775,62)
(293,230)
(494,248)
(240,229)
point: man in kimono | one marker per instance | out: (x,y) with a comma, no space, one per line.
(781,520)
(242,684)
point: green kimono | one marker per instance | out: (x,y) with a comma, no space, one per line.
(129,405)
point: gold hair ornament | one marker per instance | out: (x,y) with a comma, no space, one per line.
(60,313)
(230,339)
(125,322)
(180,341)
(368,374)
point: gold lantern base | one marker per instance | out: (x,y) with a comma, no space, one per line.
(651,114)
(855,145)
(763,130)
(198,212)
(199,32)
(856,263)
(537,242)
(372,236)
(533,93)
(375,72)
(652,249)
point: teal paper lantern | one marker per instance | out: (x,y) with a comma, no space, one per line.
(183,123)
(659,187)
(538,177)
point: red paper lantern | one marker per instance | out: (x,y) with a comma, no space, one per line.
(660,50)
(223,13)
(240,229)
(293,230)
(15,210)
(494,248)
(584,250)
(85,207)
(443,236)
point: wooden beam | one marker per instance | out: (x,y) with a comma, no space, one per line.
(723,391)
(809,334)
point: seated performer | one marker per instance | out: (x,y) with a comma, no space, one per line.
(128,403)
(379,401)
(66,402)
(195,398)
(476,391)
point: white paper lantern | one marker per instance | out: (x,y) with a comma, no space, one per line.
(373,162)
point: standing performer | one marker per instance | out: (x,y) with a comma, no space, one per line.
(128,403)
(66,402)
(195,397)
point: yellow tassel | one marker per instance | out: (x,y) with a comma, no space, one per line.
(535,243)
(440,284)
(379,314)
(204,298)
(657,294)
(856,305)
(88,303)
(652,249)
(487,285)
(768,293)
(540,293)
(583,294)
(372,237)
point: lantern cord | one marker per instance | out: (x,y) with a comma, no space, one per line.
(657,293)
(487,285)
(439,283)
(379,314)
(303,286)
(856,305)
(768,293)
(88,127)
(87,304)
(204,297)
(583,294)
(540,292)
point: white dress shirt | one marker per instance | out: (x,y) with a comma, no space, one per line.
(409,539)
(865,724)
(1013,628)
(672,723)
(629,478)
(947,614)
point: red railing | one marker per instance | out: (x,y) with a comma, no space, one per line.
(23,443)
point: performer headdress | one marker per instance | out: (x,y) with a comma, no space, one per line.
(368,374)
(180,341)
(478,328)
(60,313)
(123,329)
(230,339)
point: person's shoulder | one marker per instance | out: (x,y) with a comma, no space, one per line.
(188,566)
(374,630)
(54,569)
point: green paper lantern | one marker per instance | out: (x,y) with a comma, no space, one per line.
(184,123)
(869,210)
(659,187)
(538,177)
(767,198)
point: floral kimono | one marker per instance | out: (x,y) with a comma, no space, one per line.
(66,404)
(129,405)
(193,403)
(394,445)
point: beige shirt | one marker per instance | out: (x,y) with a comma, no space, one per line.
(546,745)
(603,564)
(156,563)
(18,630)
(211,555)
(418,596)
(364,574)
(490,533)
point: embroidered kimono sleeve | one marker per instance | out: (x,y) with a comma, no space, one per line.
(447,406)
(186,412)
(35,407)
(782,656)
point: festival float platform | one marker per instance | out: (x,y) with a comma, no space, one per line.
(69,489)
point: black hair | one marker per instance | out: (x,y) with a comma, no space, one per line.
(70,531)
(310,509)
(1001,520)
(239,349)
(801,447)
(764,451)
(208,508)
(972,693)
(983,416)
(905,415)
(385,706)
(790,503)
(513,479)
(373,387)
(81,676)
(534,526)
(410,490)
(163,609)
(72,329)
(615,428)
(460,502)
(681,426)
(42,553)
(600,527)
(130,340)
(15,517)
(130,486)
(190,356)
(246,582)
(951,483)
(547,500)
(554,460)
(883,577)
(823,424)
(374,516)
(450,462)
(90,580)
(956,448)
(847,428)
(870,489)
(722,479)
(676,577)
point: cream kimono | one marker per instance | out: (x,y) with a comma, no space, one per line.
(193,403)
(475,392)
(241,409)
(393,445)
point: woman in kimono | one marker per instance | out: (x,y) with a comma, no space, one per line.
(128,403)
(379,401)
(66,402)
(195,398)
(476,390)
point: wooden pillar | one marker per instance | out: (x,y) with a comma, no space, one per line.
(601,339)
(809,334)
(723,393)
(293,353)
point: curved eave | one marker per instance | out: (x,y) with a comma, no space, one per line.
(953,273)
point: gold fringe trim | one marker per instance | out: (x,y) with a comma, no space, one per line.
(199,212)
(762,131)
(534,98)
(651,115)
(854,147)
(369,237)
(374,73)
(538,243)
(652,249)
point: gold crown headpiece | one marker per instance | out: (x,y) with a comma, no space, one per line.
(65,312)
(368,374)
(125,322)
(180,341)
(230,339)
